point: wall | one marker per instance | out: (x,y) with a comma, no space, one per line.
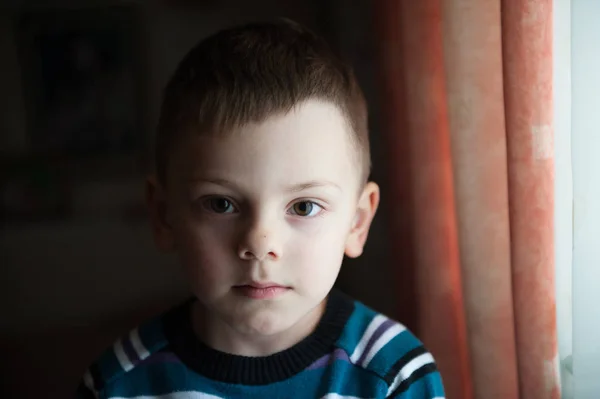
(370,278)
(12,118)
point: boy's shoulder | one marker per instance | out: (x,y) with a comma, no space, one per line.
(388,349)
(144,344)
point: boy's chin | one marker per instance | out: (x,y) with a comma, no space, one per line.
(266,323)
(282,328)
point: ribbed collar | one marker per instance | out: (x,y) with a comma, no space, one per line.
(225,367)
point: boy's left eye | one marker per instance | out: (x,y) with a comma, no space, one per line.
(305,209)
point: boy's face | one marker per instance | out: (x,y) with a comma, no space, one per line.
(261,218)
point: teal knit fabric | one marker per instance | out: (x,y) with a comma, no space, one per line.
(353,353)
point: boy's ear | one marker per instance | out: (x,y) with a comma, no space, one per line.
(157,208)
(367,206)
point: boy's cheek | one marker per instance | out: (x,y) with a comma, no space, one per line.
(327,238)
(202,250)
(316,275)
(317,254)
(194,234)
(205,272)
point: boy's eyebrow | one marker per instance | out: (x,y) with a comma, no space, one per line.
(217,181)
(293,188)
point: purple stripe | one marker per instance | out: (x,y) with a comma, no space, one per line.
(338,354)
(130,351)
(378,333)
(161,358)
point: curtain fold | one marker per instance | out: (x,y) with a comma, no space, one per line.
(424,214)
(467,97)
(527,34)
(473,70)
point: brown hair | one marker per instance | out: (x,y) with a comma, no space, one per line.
(248,73)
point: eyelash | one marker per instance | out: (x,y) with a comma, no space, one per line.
(207,206)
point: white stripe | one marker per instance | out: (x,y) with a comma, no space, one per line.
(89,382)
(373,326)
(338,396)
(410,368)
(137,344)
(174,395)
(382,341)
(122,356)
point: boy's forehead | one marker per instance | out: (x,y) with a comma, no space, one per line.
(313,140)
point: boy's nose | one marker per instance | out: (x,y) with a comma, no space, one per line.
(258,244)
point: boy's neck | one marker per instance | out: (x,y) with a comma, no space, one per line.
(219,335)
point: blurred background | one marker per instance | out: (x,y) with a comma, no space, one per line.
(80,87)
(483,142)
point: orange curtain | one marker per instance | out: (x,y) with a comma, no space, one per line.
(467,94)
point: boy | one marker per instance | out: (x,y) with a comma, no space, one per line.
(261,187)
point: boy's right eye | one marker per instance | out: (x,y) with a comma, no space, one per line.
(218,205)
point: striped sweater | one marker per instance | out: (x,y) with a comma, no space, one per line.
(353,353)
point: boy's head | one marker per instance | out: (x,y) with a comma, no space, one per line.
(261,185)
(250,73)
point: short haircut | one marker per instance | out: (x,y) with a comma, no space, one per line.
(247,74)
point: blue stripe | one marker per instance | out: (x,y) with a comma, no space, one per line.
(152,335)
(159,379)
(429,386)
(129,351)
(350,380)
(376,335)
(162,378)
(356,326)
(108,366)
(385,359)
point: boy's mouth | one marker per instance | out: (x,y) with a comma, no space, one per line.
(256,290)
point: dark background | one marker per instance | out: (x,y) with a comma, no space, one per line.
(80,85)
